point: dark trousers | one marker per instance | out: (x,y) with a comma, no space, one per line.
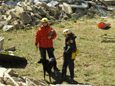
(67,62)
(50,52)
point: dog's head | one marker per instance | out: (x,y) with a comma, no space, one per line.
(43,61)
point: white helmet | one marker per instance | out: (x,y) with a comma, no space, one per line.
(66,32)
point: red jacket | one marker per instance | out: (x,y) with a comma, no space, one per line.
(42,37)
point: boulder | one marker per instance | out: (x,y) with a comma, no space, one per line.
(19,4)
(37,15)
(1,26)
(53,3)
(65,17)
(9,18)
(53,11)
(4,22)
(25,17)
(41,10)
(67,8)
(17,25)
(0,12)
(30,2)
(13,15)
(18,9)
(81,12)
(7,28)
(11,3)
(26,1)
(1,18)
(8,12)
(75,15)
(30,83)
(24,6)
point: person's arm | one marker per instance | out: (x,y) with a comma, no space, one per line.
(71,46)
(37,37)
(54,35)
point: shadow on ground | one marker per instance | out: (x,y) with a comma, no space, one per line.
(9,61)
(58,81)
(107,28)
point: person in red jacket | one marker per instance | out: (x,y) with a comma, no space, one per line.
(44,40)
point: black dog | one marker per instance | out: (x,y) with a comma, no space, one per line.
(48,65)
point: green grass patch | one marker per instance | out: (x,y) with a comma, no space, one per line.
(60,26)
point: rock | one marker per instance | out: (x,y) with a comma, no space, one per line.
(22,84)
(4,5)
(81,12)
(1,18)
(26,7)
(7,28)
(75,15)
(67,8)
(13,15)
(29,9)
(37,15)
(37,2)
(11,49)
(34,9)
(2,70)
(26,1)
(37,82)
(8,12)
(47,15)
(11,3)
(9,18)
(19,4)
(18,9)
(1,26)
(53,11)
(0,12)
(65,17)
(1,84)
(30,83)
(25,17)
(30,2)
(53,3)
(38,22)
(41,10)
(17,25)
(4,22)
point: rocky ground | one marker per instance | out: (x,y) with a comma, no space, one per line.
(16,14)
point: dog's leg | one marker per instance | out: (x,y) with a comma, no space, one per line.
(44,75)
(55,68)
(50,77)
(55,72)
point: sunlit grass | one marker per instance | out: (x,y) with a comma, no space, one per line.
(94,64)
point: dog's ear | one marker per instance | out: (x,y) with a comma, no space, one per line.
(39,61)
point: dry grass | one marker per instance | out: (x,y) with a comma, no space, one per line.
(94,64)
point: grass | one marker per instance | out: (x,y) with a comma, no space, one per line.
(95,64)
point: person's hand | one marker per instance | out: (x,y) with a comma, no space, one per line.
(49,37)
(36,46)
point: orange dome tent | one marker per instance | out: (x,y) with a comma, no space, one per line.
(103,25)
